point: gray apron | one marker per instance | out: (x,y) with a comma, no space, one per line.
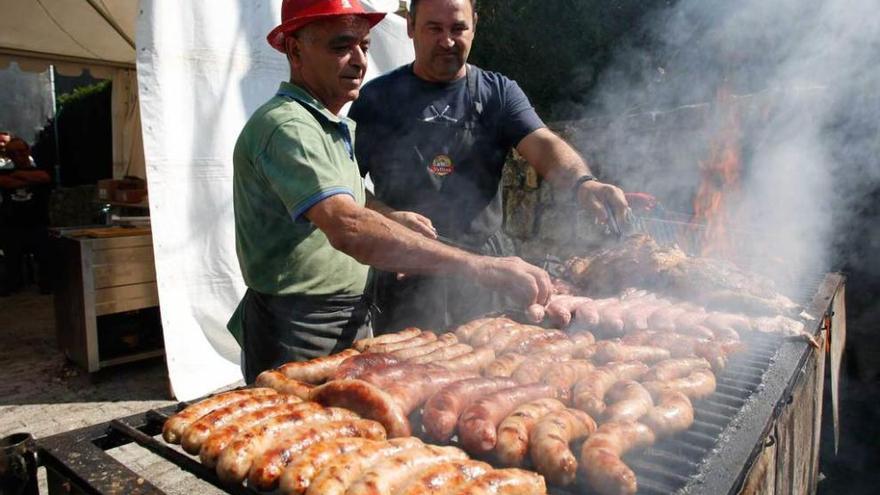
(281,329)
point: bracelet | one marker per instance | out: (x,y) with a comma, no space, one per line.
(577,184)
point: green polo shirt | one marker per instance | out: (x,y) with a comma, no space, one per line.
(292,154)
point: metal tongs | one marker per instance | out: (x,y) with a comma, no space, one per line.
(632,224)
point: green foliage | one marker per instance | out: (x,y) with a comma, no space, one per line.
(82,93)
(555,49)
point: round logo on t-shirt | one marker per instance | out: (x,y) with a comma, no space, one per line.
(441,165)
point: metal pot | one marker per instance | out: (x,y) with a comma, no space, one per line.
(18,465)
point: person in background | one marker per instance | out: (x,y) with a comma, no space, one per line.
(24,217)
(303,235)
(5,162)
(434,136)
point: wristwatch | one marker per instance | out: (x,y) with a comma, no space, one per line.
(577,184)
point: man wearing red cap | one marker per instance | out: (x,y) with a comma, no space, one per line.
(303,235)
(434,135)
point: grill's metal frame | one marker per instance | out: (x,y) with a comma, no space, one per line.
(79,457)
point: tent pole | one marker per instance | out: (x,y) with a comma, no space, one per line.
(57,165)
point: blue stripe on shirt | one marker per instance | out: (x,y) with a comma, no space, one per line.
(317,198)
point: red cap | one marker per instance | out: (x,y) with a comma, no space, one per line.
(297,13)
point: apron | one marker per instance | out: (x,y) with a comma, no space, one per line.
(431,176)
(277,329)
(281,329)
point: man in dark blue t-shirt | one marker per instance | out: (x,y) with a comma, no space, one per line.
(434,136)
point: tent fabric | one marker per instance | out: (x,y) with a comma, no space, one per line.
(72,34)
(203,67)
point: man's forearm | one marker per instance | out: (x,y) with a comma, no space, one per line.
(377,241)
(553,158)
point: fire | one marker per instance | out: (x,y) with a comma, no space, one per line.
(720,182)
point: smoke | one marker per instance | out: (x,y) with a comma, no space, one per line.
(802,78)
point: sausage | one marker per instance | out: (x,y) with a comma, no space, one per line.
(176,425)
(535,313)
(276,380)
(564,375)
(627,401)
(237,458)
(531,370)
(442,410)
(582,338)
(476,360)
(420,339)
(447,476)
(341,472)
(635,318)
(390,338)
(601,463)
(587,313)
(610,320)
(199,431)
(697,385)
(487,332)
(674,368)
(269,465)
(663,318)
(318,370)
(368,401)
(444,340)
(413,392)
(384,376)
(562,347)
(549,444)
(505,365)
(673,414)
(714,352)
(503,337)
(610,351)
(589,393)
(478,422)
(509,481)
(731,321)
(524,344)
(444,354)
(689,319)
(559,309)
(390,474)
(299,474)
(355,366)
(512,445)
(467,330)
(220,438)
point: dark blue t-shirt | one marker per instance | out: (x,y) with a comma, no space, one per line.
(439,148)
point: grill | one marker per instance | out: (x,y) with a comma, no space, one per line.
(733,429)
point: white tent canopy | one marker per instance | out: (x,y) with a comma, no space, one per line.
(70,34)
(73,35)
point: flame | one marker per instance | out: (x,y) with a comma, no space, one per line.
(720,181)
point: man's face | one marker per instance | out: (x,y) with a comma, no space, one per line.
(442,32)
(330,59)
(4,139)
(19,153)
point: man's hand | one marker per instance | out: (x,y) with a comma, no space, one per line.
(415,222)
(594,196)
(526,283)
